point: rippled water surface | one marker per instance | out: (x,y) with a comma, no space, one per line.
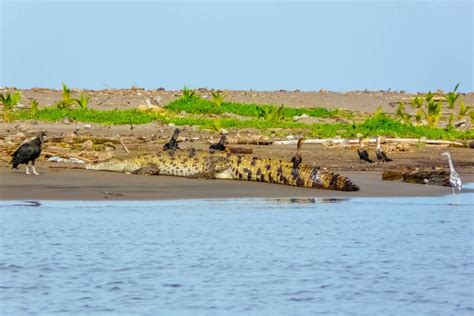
(268,257)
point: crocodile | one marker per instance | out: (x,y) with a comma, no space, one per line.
(223,165)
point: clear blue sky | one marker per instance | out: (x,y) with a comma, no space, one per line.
(269,45)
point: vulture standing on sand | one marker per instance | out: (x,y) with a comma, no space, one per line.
(381,156)
(220,146)
(173,143)
(28,152)
(363,154)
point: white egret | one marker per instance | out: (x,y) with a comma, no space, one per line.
(454,177)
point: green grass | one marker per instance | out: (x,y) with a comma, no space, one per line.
(378,124)
(114,117)
(197,105)
(384,125)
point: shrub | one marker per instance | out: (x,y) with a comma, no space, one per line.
(9,101)
(218,98)
(83,102)
(34,108)
(189,94)
(67,101)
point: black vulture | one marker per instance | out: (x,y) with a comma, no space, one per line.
(381,156)
(28,152)
(363,154)
(220,146)
(173,143)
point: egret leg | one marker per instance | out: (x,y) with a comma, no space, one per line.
(34,170)
(27,171)
(454,194)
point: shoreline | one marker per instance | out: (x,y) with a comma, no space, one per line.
(88,185)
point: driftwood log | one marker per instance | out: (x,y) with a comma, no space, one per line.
(239,150)
(372,141)
(248,140)
(430,177)
(82,139)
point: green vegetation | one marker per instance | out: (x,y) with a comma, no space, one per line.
(191,109)
(114,117)
(216,125)
(9,101)
(218,98)
(463,110)
(272,114)
(196,105)
(451,98)
(189,94)
(430,108)
(34,107)
(378,124)
(83,102)
(382,124)
(402,114)
(67,101)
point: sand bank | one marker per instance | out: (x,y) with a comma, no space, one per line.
(75,184)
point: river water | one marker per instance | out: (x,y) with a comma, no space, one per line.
(371,256)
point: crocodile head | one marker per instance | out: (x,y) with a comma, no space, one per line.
(116,165)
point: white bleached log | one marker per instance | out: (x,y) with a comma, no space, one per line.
(371,140)
(123,145)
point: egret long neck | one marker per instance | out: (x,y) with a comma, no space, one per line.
(451,166)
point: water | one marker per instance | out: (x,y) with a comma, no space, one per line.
(411,256)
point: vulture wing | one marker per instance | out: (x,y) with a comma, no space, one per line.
(24,153)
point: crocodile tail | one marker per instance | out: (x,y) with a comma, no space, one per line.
(245,167)
(332,181)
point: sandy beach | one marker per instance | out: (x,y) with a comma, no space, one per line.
(63,184)
(74,184)
(69,182)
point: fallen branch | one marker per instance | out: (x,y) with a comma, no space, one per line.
(123,145)
(372,141)
(318,141)
(81,139)
(431,177)
(424,140)
(248,140)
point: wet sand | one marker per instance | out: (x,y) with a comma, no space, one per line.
(77,184)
